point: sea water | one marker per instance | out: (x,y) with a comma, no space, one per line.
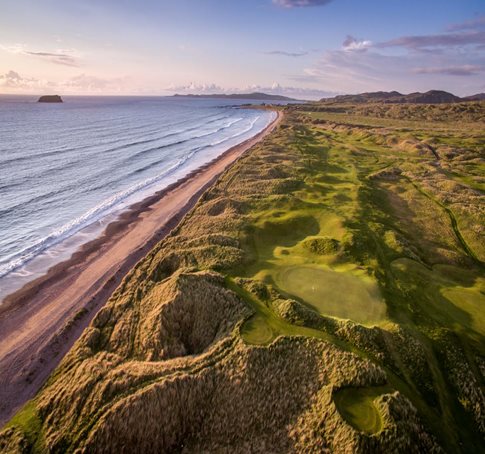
(67,167)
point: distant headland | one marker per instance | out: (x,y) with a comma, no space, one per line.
(394,97)
(50,98)
(252,96)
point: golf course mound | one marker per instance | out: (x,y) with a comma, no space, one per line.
(322,246)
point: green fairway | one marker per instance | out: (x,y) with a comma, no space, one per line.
(471,301)
(448,295)
(338,294)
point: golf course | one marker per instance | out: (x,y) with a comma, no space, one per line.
(326,294)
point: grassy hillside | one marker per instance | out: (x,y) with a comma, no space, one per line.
(326,294)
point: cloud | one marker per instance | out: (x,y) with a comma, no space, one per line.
(406,69)
(353,44)
(93,84)
(286,54)
(464,70)
(473,24)
(14,81)
(275,88)
(13,48)
(344,71)
(439,40)
(54,57)
(10,79)
(66,57)
(300,3)
(196,88)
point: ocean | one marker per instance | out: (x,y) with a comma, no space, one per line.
(68,169)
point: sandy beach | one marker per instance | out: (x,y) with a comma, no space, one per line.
(40,322)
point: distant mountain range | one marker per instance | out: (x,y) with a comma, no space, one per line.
(252,96)
(430,97)
(477,97)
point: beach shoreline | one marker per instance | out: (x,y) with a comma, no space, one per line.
(41,321)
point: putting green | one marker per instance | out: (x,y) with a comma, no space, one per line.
(356,405)
(338,294)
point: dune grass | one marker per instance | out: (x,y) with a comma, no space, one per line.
(27,425)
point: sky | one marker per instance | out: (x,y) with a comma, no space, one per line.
(302,48)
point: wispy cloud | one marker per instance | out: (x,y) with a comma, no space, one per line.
(464,70)
(285,53)
(13,48)
(344,71)
(94,84)
(300,3)
(438,40)
(59,56)
(406,63)
(354,44)
(56,57)
(474,24)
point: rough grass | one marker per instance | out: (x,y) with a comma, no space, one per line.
(24,431)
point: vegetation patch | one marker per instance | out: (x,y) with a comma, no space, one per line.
(24,433)
(322,246)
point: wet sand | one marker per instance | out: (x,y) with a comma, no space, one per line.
(40,322)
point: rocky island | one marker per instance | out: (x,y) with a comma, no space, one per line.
(50,98)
